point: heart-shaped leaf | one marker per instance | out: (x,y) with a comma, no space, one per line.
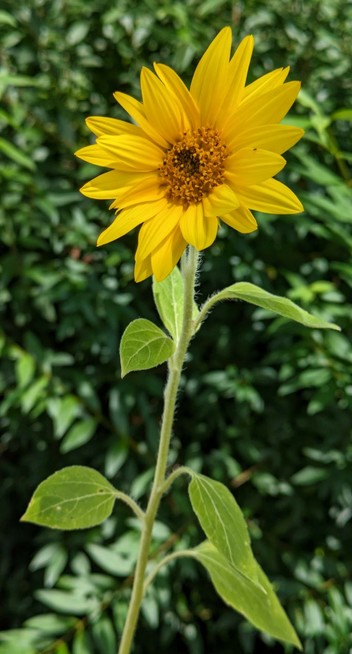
(143,346)
(73,498)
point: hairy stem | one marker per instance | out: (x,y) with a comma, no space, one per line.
(170,557)
(182,470)
(189,268)
(131,503)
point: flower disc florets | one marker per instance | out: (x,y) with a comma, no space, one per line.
(193,166)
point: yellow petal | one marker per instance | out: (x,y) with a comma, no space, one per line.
(252,166)
(108,185)
(180,91)
(237,73)
(209,83)
(275,138)
(100,125)
(270,107)
(145,190)
(270,197)
(266,82)
(198,230)
(162,109)
(143,269)
(111,185)
(156,230)
(221,200)
(129,218)
(132,152)
(166,256)
(96,155)
(136,111)
(242,220)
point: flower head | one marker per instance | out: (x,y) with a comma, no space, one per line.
(194,156)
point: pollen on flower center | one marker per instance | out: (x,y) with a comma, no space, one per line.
(193,166)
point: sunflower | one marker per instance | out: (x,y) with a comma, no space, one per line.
(194,157)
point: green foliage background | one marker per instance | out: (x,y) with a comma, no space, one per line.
(266,405)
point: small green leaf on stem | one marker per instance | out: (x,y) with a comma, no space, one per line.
(279,305)
(169,298)
(143,346)
(73,498)
(259,605)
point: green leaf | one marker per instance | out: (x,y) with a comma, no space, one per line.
(55,567)
(16,154)
(15,641)
(63,411)
(7,19)
(73,498)
(61,648)
(81,643)
(341,154)
(342,114)
(104,636)
(310,475)
(79,434)
(223,523)
(169,297)
(77,32)
(25,368)
(66,601)
(279,305)
(110,561)
(50,623)
(150,609)
(34,393)
(143,346)
(259,605)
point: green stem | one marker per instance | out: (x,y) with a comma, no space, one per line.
(182,470)
(170,557)
(130,502)
(204,310)
(189,268)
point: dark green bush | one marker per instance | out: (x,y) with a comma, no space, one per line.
(268,413)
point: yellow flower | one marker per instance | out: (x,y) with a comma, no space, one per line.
(194,156)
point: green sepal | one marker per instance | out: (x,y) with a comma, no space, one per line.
(76,497)
(143,346)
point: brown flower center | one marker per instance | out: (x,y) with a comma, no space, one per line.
(193,166)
